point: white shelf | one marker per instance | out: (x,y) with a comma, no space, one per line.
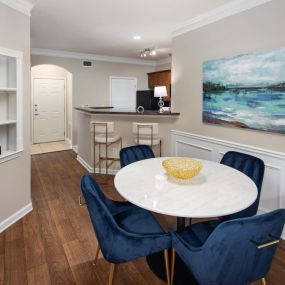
(11,104)
(7,122)
(10,154)
(8,89)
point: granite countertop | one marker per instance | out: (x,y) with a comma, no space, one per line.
(111,110)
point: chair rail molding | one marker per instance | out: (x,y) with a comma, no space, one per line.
(22,6)
(224,11)
(273,188)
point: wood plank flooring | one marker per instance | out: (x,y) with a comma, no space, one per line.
(55,243)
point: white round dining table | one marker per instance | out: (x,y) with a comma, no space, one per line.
(218,190)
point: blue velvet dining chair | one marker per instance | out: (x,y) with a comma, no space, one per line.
(236,252)
(251,166)
(124,231)
(135,153)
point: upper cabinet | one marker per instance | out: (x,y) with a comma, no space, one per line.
(160,78)
(11,104)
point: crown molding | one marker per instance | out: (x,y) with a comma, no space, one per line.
(91,56)
(22,6)
(163,61)
(224,11)
(11,52)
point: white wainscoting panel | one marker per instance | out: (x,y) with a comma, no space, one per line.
(273,189)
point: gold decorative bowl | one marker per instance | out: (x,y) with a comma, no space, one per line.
(182,168)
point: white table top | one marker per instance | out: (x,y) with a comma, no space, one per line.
(218,190)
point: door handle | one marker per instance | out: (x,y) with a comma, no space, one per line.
(36,114)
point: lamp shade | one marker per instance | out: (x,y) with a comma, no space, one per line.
(160,91)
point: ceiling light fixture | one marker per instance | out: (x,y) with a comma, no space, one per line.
(136,38)
(148,52)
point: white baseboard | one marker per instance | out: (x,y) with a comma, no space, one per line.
(15,217)
(84,164)
(90,169)
(75,148)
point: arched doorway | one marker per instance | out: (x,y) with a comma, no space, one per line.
(51,112)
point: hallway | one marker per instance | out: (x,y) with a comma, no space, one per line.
(41,148)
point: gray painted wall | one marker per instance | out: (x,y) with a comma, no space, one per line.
(15,175)
(258,29)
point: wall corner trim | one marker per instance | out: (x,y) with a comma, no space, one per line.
(15,217)
(224,11)
(90,169)
(75,148)
(91,56)
(22,6)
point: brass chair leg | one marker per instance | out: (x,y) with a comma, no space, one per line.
(172,265)
(81,203)
(106,158)
(96,255)
(94,150)
(112,273)
(166,262)
(94,162)
(263,281)
(99,158)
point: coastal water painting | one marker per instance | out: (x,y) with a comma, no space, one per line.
(246,91)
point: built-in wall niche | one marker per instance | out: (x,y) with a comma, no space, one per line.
(8,138)
(8,74)
(11,104)
(8,109)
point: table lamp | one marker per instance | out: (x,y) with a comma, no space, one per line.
(160,91)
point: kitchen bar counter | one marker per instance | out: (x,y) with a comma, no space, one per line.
(123,119)
(113,111)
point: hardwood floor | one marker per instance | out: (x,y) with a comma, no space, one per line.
(55,243)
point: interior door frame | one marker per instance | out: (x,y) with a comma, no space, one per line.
(120,77)
(32,103)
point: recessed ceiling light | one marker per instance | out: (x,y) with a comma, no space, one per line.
(136,38)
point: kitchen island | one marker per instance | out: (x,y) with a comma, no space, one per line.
(123,119)
(114,111)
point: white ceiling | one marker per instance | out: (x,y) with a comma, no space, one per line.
(107,27)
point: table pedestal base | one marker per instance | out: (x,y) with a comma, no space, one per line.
(182,275)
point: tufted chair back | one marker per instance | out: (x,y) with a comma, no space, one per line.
(117,244)
(251,166)
(237,252)
(135,153)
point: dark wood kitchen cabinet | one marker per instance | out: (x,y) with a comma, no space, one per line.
(160,78)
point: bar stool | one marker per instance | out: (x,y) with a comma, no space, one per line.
(147,134)
(104,134)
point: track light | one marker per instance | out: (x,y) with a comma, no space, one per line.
(148,52)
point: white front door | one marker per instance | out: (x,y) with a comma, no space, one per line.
(48,109)
(123,92)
